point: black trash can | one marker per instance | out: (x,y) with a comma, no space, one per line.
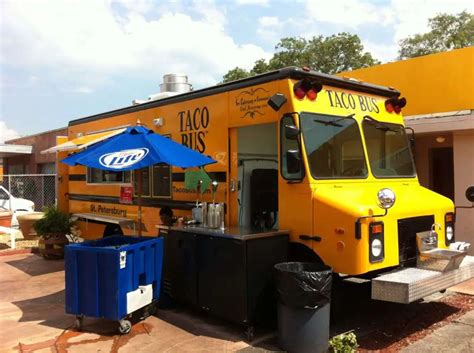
(304,297)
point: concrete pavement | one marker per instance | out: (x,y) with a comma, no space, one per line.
(32,319)
(456,337)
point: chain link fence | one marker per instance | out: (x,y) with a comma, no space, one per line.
(39,188)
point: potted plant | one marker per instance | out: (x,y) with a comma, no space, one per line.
(52,229)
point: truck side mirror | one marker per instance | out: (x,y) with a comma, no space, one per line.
(293,161)
(291,132)
(411,138)
(470,194)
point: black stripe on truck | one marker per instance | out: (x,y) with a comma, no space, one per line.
(221,177)
(147,202)
(77,177)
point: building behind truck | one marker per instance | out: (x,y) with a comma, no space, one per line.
(325,158)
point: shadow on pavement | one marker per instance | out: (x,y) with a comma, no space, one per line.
(35,266)
(48,310)
(199,323)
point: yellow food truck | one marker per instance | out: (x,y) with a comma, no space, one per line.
(326,158)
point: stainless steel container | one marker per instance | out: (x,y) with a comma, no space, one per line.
(204,213)
(175,83)
(219,216)
(197,214)
(211,215)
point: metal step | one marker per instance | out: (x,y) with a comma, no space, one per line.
(410,284)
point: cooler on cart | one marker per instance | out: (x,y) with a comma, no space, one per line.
(113,278)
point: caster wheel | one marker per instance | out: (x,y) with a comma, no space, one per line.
(124,326)
(79,322)
(250,333)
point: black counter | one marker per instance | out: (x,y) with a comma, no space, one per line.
(227,273)
(239,233)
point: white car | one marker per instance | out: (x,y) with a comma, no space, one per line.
(15,204)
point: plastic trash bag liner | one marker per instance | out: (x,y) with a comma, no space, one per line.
(303,284)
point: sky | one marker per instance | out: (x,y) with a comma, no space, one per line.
(65,59)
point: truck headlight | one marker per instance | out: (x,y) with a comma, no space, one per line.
(449,233)
(376,244)
(376,247)
(449,220)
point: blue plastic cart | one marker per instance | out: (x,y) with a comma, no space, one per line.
(113,278)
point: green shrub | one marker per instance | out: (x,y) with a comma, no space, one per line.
(53,222)
(343,343)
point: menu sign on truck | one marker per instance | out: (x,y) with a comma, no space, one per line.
(126,194)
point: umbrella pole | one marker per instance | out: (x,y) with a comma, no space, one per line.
(139,200)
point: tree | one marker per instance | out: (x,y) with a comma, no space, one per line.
(447,32)
(332,54)
(235,74)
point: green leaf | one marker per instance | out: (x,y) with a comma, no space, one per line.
(447,32)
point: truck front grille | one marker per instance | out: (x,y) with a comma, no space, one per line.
(407,229)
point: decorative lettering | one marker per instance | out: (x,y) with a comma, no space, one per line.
(252,102)
(108,210)
(192,125)
(349,101)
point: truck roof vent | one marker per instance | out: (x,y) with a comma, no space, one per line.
(175,83)
(172,85)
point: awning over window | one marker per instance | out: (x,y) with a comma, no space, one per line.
(83,141)
(14,150)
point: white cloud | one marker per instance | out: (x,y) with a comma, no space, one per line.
(348,13)
(269,28)
(406,16)
(88,41)
(252,2)
(382,52)
(140,6)
(210,13)
(83,89)
(411,17)
(269,21)
(7,133)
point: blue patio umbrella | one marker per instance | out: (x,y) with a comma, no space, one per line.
(135,148)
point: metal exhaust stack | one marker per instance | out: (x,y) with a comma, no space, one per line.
(175,83)
(172,85)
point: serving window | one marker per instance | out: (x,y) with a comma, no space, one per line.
(98,176)
(156,181)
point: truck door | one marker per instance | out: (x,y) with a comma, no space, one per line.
(254,176)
